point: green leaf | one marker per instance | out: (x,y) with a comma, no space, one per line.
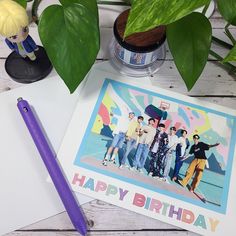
(147,14)
(23,3)
(70,35)
(91,5)
(227,9)
(189,41)
(128,1)
(231,56)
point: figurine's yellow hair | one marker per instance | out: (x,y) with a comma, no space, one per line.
(12,18)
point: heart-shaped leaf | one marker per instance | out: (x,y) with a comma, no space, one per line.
(227,9)
(147,14)
(231,56)
(70,35)
(23,3)
(189,40)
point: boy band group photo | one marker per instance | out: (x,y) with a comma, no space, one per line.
(162,148)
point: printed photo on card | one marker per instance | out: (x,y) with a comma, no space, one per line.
(160,154)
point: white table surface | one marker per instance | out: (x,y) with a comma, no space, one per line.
(215,85)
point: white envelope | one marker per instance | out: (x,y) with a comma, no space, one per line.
(25,196)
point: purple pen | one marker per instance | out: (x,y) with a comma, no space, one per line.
(53,167)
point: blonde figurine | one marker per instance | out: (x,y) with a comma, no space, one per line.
(14,26)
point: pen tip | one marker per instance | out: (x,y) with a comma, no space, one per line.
(19,99)
(82,230)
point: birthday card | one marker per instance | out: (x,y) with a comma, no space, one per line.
(158,153)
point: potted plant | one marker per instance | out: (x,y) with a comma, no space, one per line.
(72,48)
(189,34)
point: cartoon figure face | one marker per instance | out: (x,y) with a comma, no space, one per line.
(13,21)
(21,36)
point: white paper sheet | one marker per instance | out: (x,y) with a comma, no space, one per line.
(25,196)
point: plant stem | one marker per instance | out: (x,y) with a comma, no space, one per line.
(230,67)
(113,3)
(222,43)
(34,11)
(230,36)
(205,8)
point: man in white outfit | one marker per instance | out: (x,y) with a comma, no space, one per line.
(170,155)
(119,138)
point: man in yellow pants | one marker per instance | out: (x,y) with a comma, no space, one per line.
(197,166)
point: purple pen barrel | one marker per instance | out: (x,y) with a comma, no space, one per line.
(53,167)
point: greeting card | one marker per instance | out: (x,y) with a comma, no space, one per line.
(155,152)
